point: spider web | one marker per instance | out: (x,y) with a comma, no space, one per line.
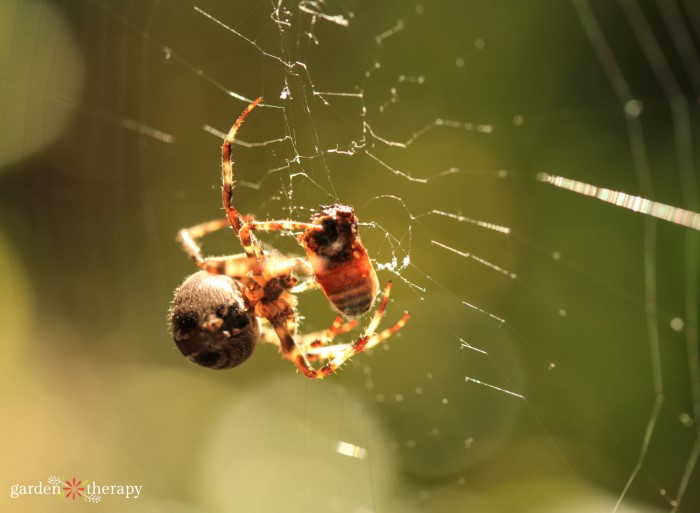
(526,177)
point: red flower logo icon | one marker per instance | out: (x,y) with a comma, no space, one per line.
(73,489)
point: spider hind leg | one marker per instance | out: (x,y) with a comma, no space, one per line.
(301,353)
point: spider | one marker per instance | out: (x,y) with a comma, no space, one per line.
(215,313)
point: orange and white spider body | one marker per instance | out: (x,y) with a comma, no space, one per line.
(341,265)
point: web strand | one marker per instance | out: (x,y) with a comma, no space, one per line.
(678,106)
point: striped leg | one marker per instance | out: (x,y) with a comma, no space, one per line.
(376,338)
(315,345)
(292,352)
(369,340)
(268,226)
(340,353)
(310,342)
(376,319)
(338,327)
(281,317)
(275,266)
(232,214)
(305,285)
(235,266)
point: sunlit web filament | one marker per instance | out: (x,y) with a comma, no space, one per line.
(467,379)
(467,345)
(332,93)
(483,224)
(234,31)
(484,129)
(398,27)
(309,8)
(397,172)
(221,135)
(351,450)
(475,258)
(675,215)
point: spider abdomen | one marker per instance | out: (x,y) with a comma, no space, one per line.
(340,262)
(350,286)
(211,324)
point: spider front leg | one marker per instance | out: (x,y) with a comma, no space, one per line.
(304,286)
(236,266)
(275,266)
(234,217)
(249,245)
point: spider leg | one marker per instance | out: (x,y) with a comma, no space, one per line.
(380,311)
(235,266)
(280,315)
(327,352)
(310,342)
(340,352)
(280,266)
(314,344)
(268,226)
(338,327)
(232,214)
(305,285)
(198,231)
(376,338)
(292,352)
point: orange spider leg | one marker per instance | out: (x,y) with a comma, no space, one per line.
(380,311)
(227,169)
(292,352)
(248,243)
(369,340)
(342,352)
(313,344)
(275,267)
(338,354)
(341,326)
(316,338)
(236,266)
(376,338)
(304,286)
(326,352)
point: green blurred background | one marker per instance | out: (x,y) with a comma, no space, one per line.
(104,155)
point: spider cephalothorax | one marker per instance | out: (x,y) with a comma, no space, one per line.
(215,312)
